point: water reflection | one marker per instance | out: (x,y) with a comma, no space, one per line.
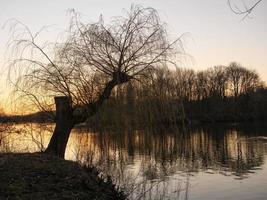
(168,151)
(171,158)
(161,163)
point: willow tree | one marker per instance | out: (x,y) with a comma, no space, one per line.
(82,71)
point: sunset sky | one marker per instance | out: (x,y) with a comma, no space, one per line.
(215,35)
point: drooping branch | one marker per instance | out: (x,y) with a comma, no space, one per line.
(246,10)
(91,61)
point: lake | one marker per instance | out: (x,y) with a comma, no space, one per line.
(209,162)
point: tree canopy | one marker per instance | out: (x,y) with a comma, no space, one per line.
(92,55)
(84,68)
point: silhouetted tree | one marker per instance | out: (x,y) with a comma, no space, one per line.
(242,80)
(185,83)
(234,73)
(218,81)
(202,81)
(250,82)
(86,66)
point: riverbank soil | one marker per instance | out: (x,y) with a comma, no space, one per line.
(41,176)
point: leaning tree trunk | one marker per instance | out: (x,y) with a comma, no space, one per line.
(64,125)
(65,119)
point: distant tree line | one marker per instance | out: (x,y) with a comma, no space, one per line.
(166,96)
(230,93)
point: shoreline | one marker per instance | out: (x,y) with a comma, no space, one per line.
(42,176)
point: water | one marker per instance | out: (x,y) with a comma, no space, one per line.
(215,162)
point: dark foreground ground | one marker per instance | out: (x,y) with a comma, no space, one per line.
(39,176)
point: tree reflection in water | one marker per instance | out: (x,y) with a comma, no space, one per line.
(159,163)
(155,163)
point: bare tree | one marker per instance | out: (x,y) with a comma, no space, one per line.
(86,66)
(217,81)
(250,81)
(202,89)
(185,83)
(234,74)
(242,80)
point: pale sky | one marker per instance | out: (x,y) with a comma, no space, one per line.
(217,35)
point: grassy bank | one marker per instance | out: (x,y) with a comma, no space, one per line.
(40,176)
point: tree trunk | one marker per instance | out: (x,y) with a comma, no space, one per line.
(65,119)
(64,125)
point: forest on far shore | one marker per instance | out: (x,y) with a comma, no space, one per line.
(220,94)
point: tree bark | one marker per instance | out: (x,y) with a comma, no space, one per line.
(64,125)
